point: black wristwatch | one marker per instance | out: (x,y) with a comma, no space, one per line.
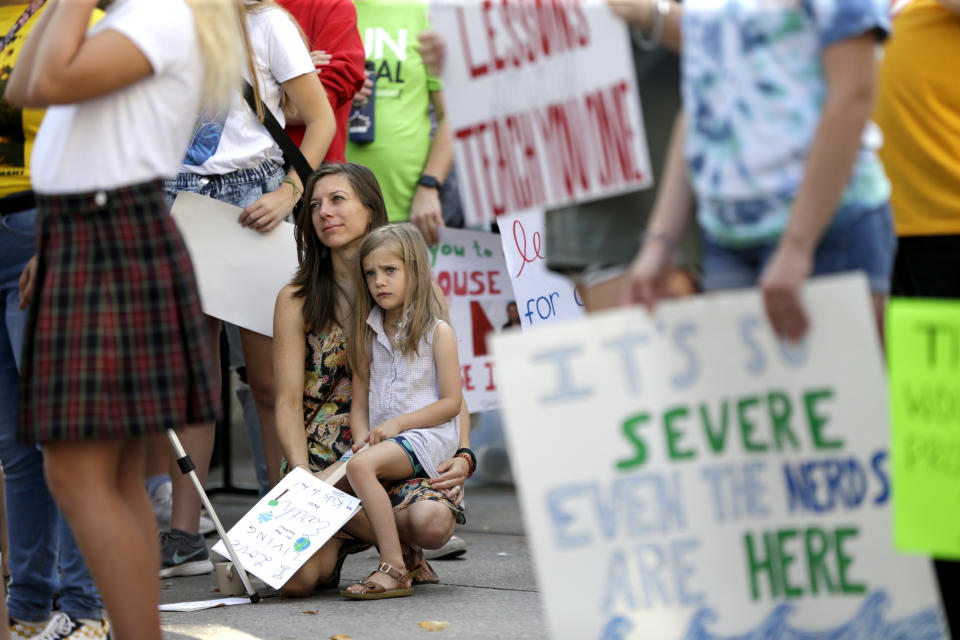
(427,180)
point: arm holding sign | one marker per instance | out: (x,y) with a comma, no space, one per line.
(425,210)
(648,279)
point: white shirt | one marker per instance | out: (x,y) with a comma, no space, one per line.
(234,140)
(399,385)
(139,132)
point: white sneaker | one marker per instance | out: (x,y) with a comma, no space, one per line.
(20,630)
(454,548)
(162,500)
(65,627)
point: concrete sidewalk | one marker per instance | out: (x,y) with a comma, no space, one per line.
(490,592)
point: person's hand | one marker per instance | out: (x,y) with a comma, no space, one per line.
(451,475)
(27,283)
(782,285)
(267,212)
(384,431)
(638,13)
(362,97)
(320,59)
(426,214)
(648,279)
(432,51)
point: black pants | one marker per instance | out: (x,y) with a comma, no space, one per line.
(929,267)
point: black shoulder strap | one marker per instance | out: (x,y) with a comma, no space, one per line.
(291,152)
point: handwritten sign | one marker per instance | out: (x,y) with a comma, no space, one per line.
(239,271)
(923,341)
(684,477)
(542,102)
(288,525)
(543,297)
(469,267)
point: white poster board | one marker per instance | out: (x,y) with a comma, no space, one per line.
(288,525)
(542,103)
(239,271)
(470,269)
(682,477)
(543,297)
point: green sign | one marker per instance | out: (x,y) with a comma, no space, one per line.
(923,347)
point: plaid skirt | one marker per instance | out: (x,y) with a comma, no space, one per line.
(116,343)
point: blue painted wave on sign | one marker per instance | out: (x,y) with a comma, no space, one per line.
(867,624)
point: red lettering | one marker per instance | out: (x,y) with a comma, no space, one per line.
(520,240)
(491,35)
(491,285)
(481,328)
(475,70)
(624,138)
(491,386)
(477,278)
(465,135)
(443,281)
(583,30)
(467,381)
(508,15)
(602,132)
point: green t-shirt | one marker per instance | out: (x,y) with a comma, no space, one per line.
(401,118)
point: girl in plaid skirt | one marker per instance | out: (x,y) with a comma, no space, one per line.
(115,347)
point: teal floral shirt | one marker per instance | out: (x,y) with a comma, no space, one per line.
(753,90)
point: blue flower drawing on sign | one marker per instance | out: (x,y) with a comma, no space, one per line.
(265,517)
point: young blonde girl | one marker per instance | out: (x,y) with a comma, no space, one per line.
(406,389)
(115,347)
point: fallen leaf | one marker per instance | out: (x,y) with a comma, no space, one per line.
(340,636)
(434,625)
(310,613)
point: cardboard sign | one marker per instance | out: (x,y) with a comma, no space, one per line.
(923,342)
(543,297)
(542,102)
(469,267)
(239,271)
(288,525)
(685,477)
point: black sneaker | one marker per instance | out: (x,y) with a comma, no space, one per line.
(183,554)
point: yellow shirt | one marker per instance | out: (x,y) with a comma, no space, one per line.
(18,128)
(918,110)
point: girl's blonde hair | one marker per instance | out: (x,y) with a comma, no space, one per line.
(222,47)
(421,304)
(251,6)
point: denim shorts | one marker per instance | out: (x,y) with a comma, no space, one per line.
(418,471)
(864,243)
(239,188)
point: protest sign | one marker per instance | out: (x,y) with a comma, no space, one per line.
(288,525)
(923,342)
(469,267)
(239,270)
(542,103)
(683,476)
(543,297)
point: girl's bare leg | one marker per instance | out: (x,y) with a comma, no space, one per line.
(384,461)
(99,487)
(258,353)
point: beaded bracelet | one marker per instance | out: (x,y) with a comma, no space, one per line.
(471,466)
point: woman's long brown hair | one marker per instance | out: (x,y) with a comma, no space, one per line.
(314,279)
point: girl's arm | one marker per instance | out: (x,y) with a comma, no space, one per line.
(425,211)
(70,67)
(448,379)
(642,15)
(850,69)
(648,278)
(289,352)
(360,409)
(310,101)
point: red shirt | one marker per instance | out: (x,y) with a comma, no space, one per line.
(331,26)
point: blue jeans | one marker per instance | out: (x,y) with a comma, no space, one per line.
(865,243)
(36,527)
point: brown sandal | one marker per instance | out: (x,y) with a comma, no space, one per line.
(376,591)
